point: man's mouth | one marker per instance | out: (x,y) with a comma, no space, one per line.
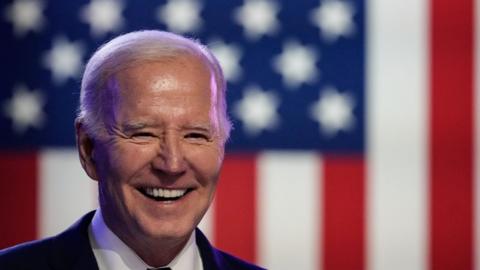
(162,194)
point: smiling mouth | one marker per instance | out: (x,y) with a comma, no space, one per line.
(164,195)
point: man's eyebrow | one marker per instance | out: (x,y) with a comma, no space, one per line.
(134,126)
(203,127)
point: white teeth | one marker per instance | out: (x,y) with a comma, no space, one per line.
(165,193)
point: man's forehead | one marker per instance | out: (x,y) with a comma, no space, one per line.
(164,87)
(162,90)
(138,68)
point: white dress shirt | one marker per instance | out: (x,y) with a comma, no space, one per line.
(112,253)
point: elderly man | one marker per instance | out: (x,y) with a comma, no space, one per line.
(151,131)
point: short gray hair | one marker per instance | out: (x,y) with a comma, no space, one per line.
(131,49)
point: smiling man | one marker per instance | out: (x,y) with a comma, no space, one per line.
(151,130)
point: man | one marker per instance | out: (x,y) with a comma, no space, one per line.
(151,131)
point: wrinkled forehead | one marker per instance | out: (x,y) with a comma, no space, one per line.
(190,72)
(188,81)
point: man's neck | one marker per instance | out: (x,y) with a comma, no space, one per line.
(111,252)
(154,252)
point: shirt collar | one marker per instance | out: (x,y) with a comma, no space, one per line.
(112,253)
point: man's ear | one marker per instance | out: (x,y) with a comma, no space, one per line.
(86,150)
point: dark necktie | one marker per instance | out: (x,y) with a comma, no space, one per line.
(160,268)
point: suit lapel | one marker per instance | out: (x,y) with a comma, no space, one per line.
(211,259)
(72,250)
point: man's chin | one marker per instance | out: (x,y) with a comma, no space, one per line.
(166,231)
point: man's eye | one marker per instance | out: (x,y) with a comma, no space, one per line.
(142,135)
(196,136)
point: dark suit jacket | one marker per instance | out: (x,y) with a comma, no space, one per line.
(71,250)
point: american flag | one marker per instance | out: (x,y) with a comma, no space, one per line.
(356,133)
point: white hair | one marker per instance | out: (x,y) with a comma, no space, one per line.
(132,49)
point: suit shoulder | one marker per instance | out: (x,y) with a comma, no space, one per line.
(236,263)
(25,254)
(67,250)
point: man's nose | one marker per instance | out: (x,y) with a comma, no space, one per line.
(170,158)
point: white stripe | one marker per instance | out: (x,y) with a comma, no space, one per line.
(66,192)
(288,203)
(476,136)
(397,119)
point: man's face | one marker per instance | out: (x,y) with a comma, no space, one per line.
(159,162)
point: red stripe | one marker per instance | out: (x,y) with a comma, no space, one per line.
(235,207)
(344,213)
(451,141)
(18,198)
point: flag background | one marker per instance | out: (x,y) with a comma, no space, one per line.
(356,131)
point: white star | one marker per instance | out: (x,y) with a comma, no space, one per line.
(25,15)
(25,109)
(296,64)
(334,18)
(103,16)
(64,60)
(229,57)
(180,16)
(258,17)
(257,110)
(333,111)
